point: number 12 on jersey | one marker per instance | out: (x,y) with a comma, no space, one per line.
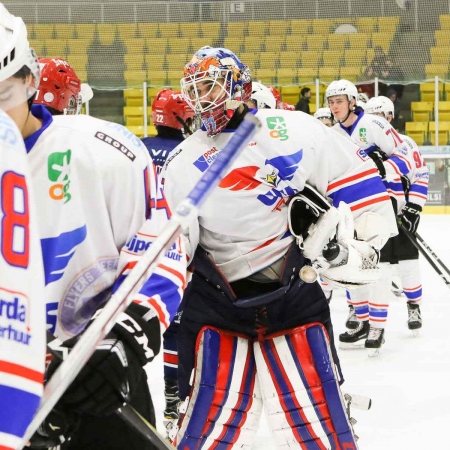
(15,233)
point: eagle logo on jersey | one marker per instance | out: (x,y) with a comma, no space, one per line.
(58,251)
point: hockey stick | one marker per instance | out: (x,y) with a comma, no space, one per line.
(184,213)
(127,413)
(423,248)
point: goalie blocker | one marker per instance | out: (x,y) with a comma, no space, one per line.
(305,406)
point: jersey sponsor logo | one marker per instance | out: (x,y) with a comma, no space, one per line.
(378,123)
(362,154)
(206,159)
(86,293)
(171,157)
(58,165)
(116,144)
(363,135)
(58,251)
(279,128)
(139,245)
(14,316)
(245,178)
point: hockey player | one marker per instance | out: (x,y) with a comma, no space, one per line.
(22,309)
(399,249)
(377,138)
(249,322)
(261,97)
(325,116)
(173,120)
(92,182)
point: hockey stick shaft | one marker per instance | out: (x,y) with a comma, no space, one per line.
(127,413)
(432,253)
(424,251)
(184,213)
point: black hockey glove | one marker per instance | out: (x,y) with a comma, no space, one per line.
(410,216)
(58,427)
(378,157)
(114,371)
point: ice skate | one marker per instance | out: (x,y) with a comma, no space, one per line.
(355,338)
(352,322)
(414,318)
(374,341)
(171,414)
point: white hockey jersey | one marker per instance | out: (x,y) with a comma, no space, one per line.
(244,224)
(22,306)
(93,181)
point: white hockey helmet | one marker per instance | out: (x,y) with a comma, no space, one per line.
(262,96)
(15,52)
(342,87)
(323,113)
(380,105)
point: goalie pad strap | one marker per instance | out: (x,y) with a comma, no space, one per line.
(223,408)
(301,391)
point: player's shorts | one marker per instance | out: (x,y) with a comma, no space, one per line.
(399,248)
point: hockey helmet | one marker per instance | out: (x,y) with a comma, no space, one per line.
(171,110)
(262,96)
(228,85)
(342,87)
(380,105)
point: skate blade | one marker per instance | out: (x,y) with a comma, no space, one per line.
(351,346)
(416,332)
(373,352)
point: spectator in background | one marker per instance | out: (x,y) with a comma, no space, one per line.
(303,103)
(391,94)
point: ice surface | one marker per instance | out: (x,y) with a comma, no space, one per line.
(408,382)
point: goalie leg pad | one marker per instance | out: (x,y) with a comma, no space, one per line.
(300,388)
(224,408)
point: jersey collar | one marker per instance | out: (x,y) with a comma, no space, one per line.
(42,113)
(349,130)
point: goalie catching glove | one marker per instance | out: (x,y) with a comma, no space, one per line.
(320,223)
(115,369)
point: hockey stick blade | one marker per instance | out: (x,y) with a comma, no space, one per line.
(184,213)
(127,413)
(425,250)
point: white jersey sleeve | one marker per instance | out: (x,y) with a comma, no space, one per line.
(243,225)
(22,309)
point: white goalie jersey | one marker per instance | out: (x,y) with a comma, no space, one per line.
(22,305)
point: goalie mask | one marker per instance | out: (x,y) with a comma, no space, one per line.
(215,84)
(60,87)
(18,62)
(169,109)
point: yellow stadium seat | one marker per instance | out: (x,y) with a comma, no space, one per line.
(42,31)
(265,76)
(84,31)
(382,40)
(169,29)
(286,77)
(350,73)
(134,77)
(55,48)
(157,78)
(106,33)
(82,75)
(338,41)
(135,46)
(253,43)
(133,121)
(289,60)
(128,31)
(278,27)
(78,62)
(149,30)
(133,97)
(444,111)
(268,60)
(64,31)
(300,26)
(440,55)
(320,26)
(134,61)
(316,42)
(156,46)
(388,24)
(436,70)
(443,133)
(442,38)
(332,58)
(274,43)
(196,44)
(422,111)
(306,75)
(327,74)
(417,131)
(189,29)
(358,41)
(311,59)
(209,30)
(133,111)
(37,45)
(444,20)
(237,29)
(295,43)
(77,46)
(155,62)
(354,58)
(257,28)
(427,91)
(176,61)
(234,44)
(367,24)
(174,78)
(250,59)
(370,53)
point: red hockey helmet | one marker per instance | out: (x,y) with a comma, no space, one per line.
(276,94)
(170,109)
(59,87)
